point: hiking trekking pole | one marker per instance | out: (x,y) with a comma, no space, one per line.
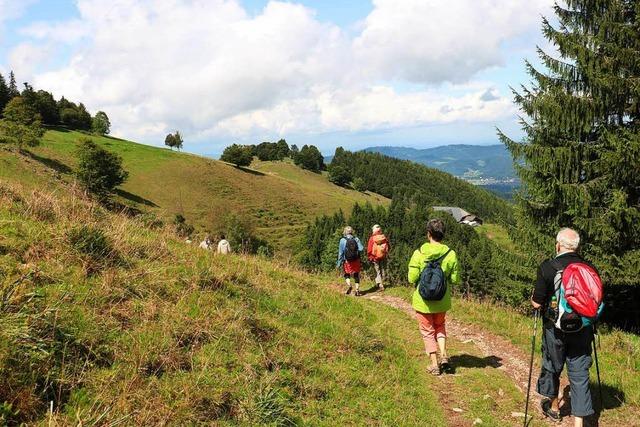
(533,349)
(595,353)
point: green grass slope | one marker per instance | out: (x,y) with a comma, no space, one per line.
(279,198)
(117,323)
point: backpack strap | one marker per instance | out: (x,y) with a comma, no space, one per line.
(556,286)
(438,260)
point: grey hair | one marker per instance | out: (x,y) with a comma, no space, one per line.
(376,228)
(347,230)
(568,238)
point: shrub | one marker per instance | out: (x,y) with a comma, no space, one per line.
(359,184)
(99,171)
(339,175)
(239,155)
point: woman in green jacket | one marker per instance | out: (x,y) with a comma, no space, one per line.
(431,314)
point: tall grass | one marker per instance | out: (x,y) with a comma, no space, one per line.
(112,320)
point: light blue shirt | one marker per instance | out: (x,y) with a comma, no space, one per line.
(343,245)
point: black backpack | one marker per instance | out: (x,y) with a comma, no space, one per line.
(432,285)
(351,252)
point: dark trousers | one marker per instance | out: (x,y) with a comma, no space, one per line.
(574,349)
(356,276)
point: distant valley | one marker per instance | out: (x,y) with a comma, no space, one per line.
(479,164)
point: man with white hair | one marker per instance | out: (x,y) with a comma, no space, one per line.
(377,251)
(559,347)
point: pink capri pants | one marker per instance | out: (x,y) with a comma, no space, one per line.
(431,328)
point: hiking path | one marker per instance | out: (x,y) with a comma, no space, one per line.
(498,353)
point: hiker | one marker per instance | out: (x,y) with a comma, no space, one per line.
(349,250)
(431,313)
(207,243)
(559,347)
(224,247)
(377,251)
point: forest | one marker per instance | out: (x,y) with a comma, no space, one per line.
(388,176)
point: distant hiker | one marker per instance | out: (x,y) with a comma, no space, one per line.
(558,344)
(434,268)
(349,250)
(207,243)
(377,251)
(224,247)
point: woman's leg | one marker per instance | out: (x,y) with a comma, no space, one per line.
(428,332)
(440,332)
(347,278)
(356,277)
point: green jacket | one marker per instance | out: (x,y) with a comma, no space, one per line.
(429,252)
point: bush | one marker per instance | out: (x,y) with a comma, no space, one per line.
(99,171)
(359,184)
(339,175)
(239,155)
(21,124)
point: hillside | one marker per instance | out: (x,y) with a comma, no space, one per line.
(115,322)
(278,198)
(478,163)
(118,323)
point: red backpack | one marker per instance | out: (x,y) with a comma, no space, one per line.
(582,289)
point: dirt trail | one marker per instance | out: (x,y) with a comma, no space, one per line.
(514,362)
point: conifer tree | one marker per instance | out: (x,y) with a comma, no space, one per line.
(581,151)
(4,94)
(13,86)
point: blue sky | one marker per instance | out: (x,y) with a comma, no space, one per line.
(414,73)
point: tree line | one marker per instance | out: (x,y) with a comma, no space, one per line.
(51,112)
(308,157)
(387,176)
(24,113)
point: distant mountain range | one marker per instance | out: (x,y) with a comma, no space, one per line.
(480,164)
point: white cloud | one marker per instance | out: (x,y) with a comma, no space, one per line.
(207,67)
(434,41)
(12,9)
(26,56)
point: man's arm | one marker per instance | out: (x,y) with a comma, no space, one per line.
(340,253)
(539,296)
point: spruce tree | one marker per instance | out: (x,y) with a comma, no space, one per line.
(4,94)
(579,161)
(13,86)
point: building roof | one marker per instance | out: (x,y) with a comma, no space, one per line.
(458,214)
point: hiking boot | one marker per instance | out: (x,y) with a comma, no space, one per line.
(348,290)
(444,365)
(381,287)
(548,412)
(358,293)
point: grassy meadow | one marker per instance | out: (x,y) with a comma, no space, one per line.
(278,198)
(117,322)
